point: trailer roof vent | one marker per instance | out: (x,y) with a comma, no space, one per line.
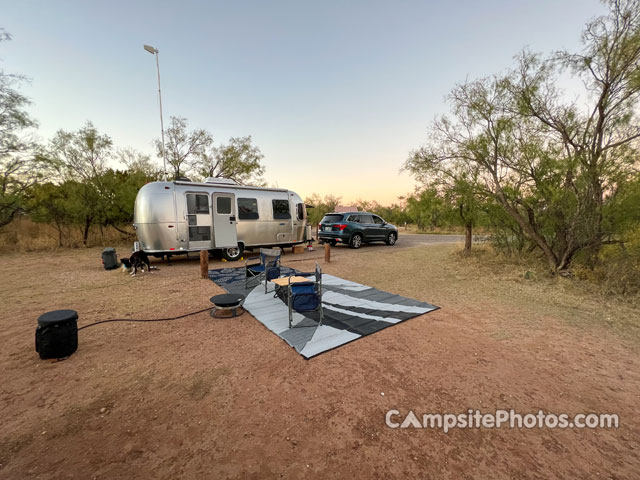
(183,179)
(223,181)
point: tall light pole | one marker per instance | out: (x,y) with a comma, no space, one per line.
(154,51)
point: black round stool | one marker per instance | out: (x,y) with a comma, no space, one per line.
(57,334)
(228,302)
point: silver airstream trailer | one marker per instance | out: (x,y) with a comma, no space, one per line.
(218,214)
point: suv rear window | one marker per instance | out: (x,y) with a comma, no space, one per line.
(332,218)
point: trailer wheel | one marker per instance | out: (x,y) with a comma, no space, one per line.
(233,253)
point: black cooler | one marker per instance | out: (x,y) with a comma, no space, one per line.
(57,334)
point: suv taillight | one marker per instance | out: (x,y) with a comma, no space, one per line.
(341,226)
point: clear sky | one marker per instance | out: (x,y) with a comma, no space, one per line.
(335,93)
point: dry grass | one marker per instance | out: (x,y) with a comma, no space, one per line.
(23,235)
(412,228)
(449,230)
(576,300)
(580,303)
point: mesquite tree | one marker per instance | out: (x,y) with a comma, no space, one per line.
(81,159)
(183,147)
(555,166)
(239,160)
(21,165)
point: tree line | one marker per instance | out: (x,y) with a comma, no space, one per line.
(550,171)
(69,181)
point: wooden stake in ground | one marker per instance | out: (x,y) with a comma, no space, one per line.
(327,253)
(204,264)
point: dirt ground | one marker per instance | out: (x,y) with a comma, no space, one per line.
(226,398)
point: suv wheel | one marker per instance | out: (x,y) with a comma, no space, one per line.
(391,238)
(356,241)
(332,242)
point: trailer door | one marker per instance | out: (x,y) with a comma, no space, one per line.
(224,220)
(282,217)
(198,220)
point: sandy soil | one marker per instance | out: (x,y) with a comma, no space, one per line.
(225,398)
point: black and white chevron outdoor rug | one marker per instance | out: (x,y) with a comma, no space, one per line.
(351,310)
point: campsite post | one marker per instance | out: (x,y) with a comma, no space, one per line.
(204,264)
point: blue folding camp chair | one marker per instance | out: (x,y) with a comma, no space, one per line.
(267,269)
(304,297)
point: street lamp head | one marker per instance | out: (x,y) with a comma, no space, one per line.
(150,49)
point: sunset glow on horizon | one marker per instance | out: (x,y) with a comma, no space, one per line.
(335,94)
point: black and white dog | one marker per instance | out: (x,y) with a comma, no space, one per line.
(137,260)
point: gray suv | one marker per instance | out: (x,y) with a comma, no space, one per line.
(356,228)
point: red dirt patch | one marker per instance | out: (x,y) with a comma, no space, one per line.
(211,398)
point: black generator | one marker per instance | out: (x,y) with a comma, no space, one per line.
(57,334)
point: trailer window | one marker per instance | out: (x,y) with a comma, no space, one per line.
(197,204)
(300,211)
(199,234)
(248,209)
(223,205)
(281,209)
